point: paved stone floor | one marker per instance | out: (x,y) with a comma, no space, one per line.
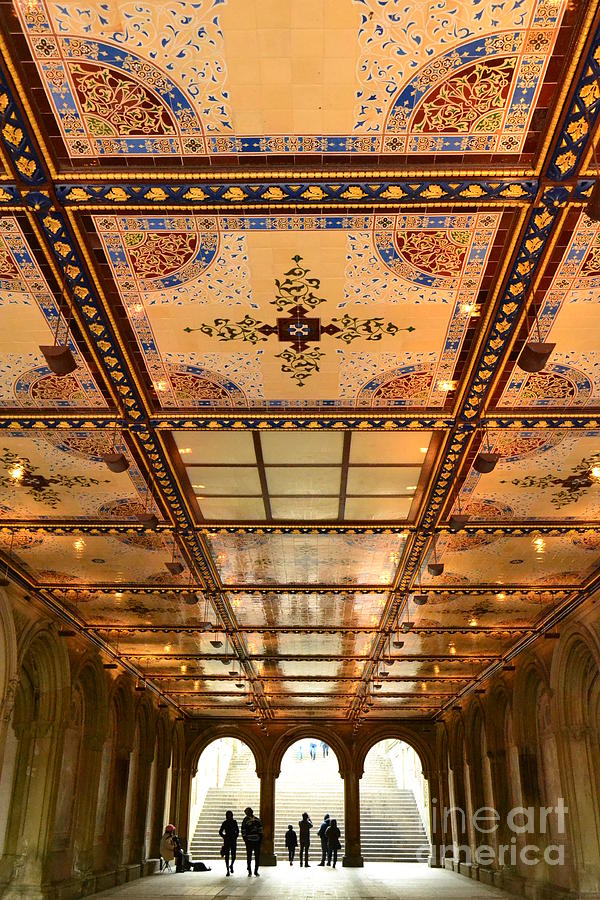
(376,880)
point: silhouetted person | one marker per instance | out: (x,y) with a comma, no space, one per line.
(291,842)
(333,842)
(229,831)
(252,833)
(313,749)
(304,826)
(324,749)
(167,848)
(171,836)
(321,833)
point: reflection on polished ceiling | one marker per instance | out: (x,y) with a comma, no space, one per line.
(295,249)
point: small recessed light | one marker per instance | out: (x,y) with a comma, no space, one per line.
(199,487)
(446,385)
(17,472)
(183,450)
(411,487)
(423,449)
(79,545)
(595,472)
(501,596)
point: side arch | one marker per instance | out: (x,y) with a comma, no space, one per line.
(199,745)
(423,747)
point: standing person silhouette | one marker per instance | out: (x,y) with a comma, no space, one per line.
(229,831)
(304,826)
(291,842)
(333,842)
(252,833)
(321,834)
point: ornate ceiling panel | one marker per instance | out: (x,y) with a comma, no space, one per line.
(269,559)
(296,249)
(542,475)
(265,311)
(240,78)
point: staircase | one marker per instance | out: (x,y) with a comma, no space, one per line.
(391,826)
(239,790)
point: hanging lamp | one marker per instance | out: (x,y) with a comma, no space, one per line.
(486,461)
(535,354)
(115,460)
(435,568)
(59,357)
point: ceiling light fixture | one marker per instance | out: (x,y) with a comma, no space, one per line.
(174,566)
(486,461)
(595,472)
(116,461)
(59,358)
(446,385)
(535,354)
(435,568)
(17,472)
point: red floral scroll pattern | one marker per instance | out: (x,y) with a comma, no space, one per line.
(434,252)
(115,104)
(460,103)
(163,254)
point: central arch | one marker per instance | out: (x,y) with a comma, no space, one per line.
(308,780)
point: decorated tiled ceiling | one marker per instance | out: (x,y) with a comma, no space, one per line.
(295,249)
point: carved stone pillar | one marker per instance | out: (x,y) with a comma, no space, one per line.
(116,810)
(86,802)
(352,855)
(267,816)
(435,858)
(180,815)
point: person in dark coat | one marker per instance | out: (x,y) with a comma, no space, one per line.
(291,842)
(321,834)
(252,833)
(229,831)
(333,842)
(304,826)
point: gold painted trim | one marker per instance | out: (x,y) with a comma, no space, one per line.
(74,307)
(491,312)
(567,83)
(547,252)
(108,312)
(294,175)
(375,207)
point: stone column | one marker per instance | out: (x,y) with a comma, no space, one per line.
(352,856)
(116,808)
(267,816)
(180,803)
(84,819)
(437,838)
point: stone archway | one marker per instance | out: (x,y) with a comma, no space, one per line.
(38,723)
(224,779)
(395,802)
(576,694)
